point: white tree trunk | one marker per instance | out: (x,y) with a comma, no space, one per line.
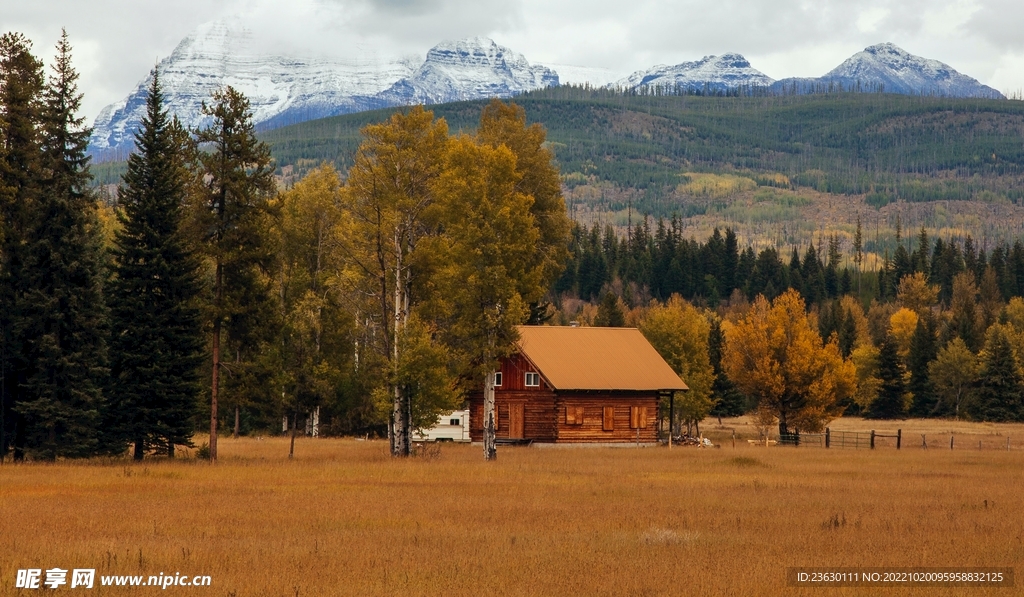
(490,427)
(399,423)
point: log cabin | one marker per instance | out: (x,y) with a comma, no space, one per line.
(578,385)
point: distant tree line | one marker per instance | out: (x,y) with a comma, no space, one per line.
(931,303)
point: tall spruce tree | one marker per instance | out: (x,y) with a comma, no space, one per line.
(999,394)
(21,88)
(891,393)
(63,318)
(730,402)
(609,314)
(235,217)
(924,349)
(156,331)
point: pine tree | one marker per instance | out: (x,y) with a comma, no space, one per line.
(999,395)
(238,183)
(963,321)
(21,88)
(924,349)
(609,314)
(920,256)
(156,342)
(64,317)
(890,401)
(729,401)
(858,252)
(796,281)
(847,334)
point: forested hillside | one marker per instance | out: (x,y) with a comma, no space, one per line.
(779,168)
(891,146)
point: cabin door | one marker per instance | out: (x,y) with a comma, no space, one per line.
(515,420)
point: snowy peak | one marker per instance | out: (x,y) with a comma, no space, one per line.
(213,41)
(889,68)
(468,69)
(718,73)
(284,90)
(888,59)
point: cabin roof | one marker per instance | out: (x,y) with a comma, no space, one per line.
(592,358)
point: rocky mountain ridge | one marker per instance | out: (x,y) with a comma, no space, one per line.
(286,89)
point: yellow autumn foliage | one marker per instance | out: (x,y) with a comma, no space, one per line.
(679,332)
(915,293)
(714,186)
(902,324)
(775,355)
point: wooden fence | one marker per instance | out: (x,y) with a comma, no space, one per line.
(842,439)
(870,440)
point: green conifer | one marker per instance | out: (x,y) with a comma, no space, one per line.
(924,349)
(63,318)
(235,215)
(999,395)
(156,342)
(21,88)
(892,392)
(609,314)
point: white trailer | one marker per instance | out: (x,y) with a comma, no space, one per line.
(451,427)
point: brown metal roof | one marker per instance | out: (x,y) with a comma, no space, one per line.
(577,358)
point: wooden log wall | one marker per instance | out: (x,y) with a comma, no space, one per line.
(592,429)
(545,416)
(538,414)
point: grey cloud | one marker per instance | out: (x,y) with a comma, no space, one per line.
(999,22)
(430,21)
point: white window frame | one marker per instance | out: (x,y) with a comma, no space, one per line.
(497,379)
(536,379)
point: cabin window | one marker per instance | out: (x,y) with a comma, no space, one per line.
(497,378)
(454,422)
(532,379)
(638,417)
(574,415)
(608,424)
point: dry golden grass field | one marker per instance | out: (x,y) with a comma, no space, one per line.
(342,518)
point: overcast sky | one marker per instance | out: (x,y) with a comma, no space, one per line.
(117,42)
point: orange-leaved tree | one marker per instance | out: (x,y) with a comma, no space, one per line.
(775,355)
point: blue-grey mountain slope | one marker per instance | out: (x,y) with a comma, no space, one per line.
(888,68)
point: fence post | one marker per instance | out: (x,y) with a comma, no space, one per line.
(828,439)
(899,438)
(1007,444)
(924,442)
(734,438)
(950,442)
(872,439)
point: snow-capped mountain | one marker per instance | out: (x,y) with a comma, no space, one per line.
(284,89)
(468,69)
(886,67)
(716,73)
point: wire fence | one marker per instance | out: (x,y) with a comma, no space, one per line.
(875,439)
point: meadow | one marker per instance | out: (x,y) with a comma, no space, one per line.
(343,518)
